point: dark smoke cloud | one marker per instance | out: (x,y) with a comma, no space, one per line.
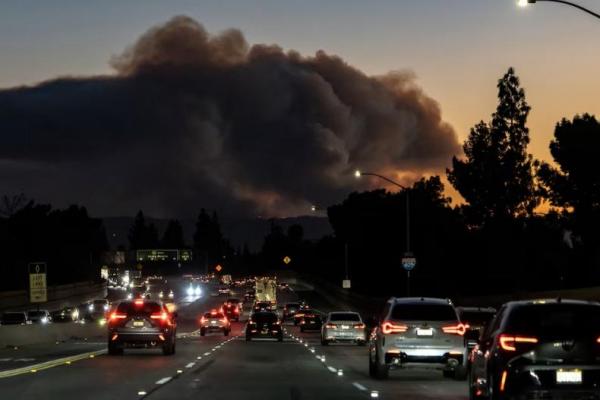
(194,120)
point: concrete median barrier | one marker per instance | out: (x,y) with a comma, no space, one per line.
(23,335)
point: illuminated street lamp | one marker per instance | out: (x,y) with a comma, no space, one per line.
(408,255)
(525,3)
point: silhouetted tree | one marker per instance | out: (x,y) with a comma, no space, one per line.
(11,204)
(496,177)
(173,236)
(209,244)
(141,235)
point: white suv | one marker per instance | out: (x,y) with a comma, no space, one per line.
(418,332)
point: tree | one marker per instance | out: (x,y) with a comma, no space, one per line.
(141,235)
(173,236)
(496,178)
(209,243)
(9,205)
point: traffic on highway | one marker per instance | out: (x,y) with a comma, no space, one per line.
(287,339)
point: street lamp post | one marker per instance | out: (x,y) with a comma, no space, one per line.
(358,174)
(524,3)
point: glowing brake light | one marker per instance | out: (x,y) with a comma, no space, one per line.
(503,381)
(509,342)
(359,326)
(139,302)
(224,319)
(459,329)
(115,316)
(389,327)
(331,326)
(162,316)
(203,320)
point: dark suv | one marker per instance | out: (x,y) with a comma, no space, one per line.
(264,324)
(539,349)
(141,324)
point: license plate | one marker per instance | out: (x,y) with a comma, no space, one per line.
(345,327)
(569,376)
(213,322)
(424,332)
(138,323)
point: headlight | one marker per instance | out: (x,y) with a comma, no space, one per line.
(91,307)
(44,320)
(102,321)
(171,294)
(129,296)
(106,307)
(190,291)
(75,314)
(197,291)
(160,295)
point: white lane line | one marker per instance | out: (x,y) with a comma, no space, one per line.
(331,369)
(190,365)
(359,386)
(163,380)
(207,353)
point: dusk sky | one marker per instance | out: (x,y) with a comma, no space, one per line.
(456,48)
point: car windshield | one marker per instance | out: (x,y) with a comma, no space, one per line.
(344,317)
(555,320)
(214,315)
(423,312)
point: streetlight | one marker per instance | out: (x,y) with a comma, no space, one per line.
(408,254)
(525,3)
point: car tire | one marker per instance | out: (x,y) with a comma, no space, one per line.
(324,342)
(248,338)
(168,349)
(280,338)
(377,370)
(226,332)
(114,349)
(202,332)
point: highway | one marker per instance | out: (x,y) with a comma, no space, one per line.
(214,366)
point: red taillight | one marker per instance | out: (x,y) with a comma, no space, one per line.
(115,316)
(163,317)
(224,320)
(359,326)
(503,381)
(510,342)
(459,329)
(331,326)
(203,320)
(298,315)
(389,327)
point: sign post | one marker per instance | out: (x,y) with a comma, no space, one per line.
(38,292)
(409,262)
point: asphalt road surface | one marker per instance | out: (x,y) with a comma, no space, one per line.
(214,367)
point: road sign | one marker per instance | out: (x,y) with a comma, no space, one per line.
(218,268)
(346,284)
(287,260)
(37,283)
(409,262)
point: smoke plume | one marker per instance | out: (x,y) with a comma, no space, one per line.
(191,119)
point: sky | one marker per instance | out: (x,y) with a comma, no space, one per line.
(457,49)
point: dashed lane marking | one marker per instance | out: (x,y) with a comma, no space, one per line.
(164,380)
(359,386)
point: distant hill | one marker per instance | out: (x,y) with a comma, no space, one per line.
(238,230)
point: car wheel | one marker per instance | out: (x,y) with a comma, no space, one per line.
(248,338)
(280,338)
(226,332)
(202,332)
(114,349)
(168,349)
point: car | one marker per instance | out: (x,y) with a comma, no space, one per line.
(39,316)
(224,290)
(214,321)
(311,322)
(264,324)
(475,320)
(232,309)
(262,306)
(97,309)
(141,324)
(66,314)
(418,332)
(539,349)
(289,309)
(300,314)
(344,326)
(14,318)
(249,296)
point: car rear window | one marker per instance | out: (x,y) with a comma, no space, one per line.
(476,317)
(36,313)
(132,309)
(555,320)
(211,315)
(344,317)
(423,312)
(264,317)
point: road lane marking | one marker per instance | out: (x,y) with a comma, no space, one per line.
(359,386)
(163,380)
(50,364)
(332,369)
(190,365)
(207,353)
